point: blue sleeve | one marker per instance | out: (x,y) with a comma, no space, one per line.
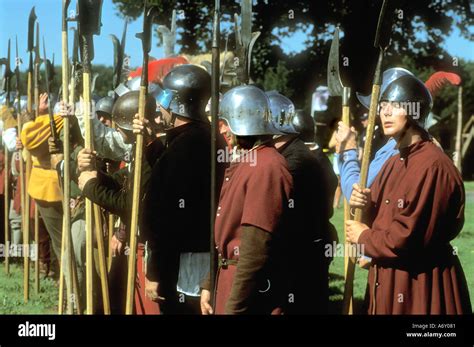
(350,169)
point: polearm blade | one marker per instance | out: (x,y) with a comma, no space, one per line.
(66,227)
(215,86)
(8,75)
(88,25)
(382,40)
(148,15)
(336,88)
(25,208)
(52,125)
(20,126)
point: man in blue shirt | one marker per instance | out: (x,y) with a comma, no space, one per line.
(349,166)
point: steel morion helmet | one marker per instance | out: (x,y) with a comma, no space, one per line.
(304,124)
(126,107)
(186,90)
(247,112)
(283,111)
(413,95)
(388,77)
(105,105)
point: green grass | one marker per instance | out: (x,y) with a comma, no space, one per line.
(11,293)
(464,244)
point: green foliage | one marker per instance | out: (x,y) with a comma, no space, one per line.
(277,79)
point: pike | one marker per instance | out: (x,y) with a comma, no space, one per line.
(336,88)
(66,246)
(66,226)
(215,82)
(148,14)
(119,53)
(47,67)
(382,40)
(36,77)
(169,36)
(19,124)
(25,208)
(89,24)
(245,40)
(8,76)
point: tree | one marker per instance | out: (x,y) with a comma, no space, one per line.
(420,30)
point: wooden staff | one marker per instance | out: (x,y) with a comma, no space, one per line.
(37,114)
(148,15)
(382,40)
(102,261)
(6,167)
(89,24)
(6,195)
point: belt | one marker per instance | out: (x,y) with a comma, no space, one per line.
(224,263)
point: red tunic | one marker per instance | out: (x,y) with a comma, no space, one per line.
(250,195)
(417,208)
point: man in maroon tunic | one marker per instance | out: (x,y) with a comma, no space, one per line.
(254,196)
(414,209)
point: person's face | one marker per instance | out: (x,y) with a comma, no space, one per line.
(393,118)
(165,117)
(105,119)
(224,130)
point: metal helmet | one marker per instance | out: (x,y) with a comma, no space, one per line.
(126,107)
(283,111)
(247,112)
(187,88)
(413,95)
(304,124)
(134,84)
(388,77)
(105,105)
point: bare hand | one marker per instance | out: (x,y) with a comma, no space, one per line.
(116,246)
(142,127)
(345,137)
(85,177)
(206,308)
(65,109)
(86,160)
(353,230)
(43,104)
(152,291)
(54,147)
(359,197)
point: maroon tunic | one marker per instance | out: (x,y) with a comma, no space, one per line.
(417,208)
(251,195)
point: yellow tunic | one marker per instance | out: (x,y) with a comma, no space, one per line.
(44,182)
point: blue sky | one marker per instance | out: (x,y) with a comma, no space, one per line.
(14,21)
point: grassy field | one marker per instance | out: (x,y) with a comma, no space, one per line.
(11,293)
(464,244)
(11,286)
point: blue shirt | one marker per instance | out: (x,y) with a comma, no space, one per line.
(350,170)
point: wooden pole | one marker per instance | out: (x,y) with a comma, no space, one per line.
(458,158)
(347,215)
(135,206)
(66,227)
(89,220)
(102,261)
(6,195)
